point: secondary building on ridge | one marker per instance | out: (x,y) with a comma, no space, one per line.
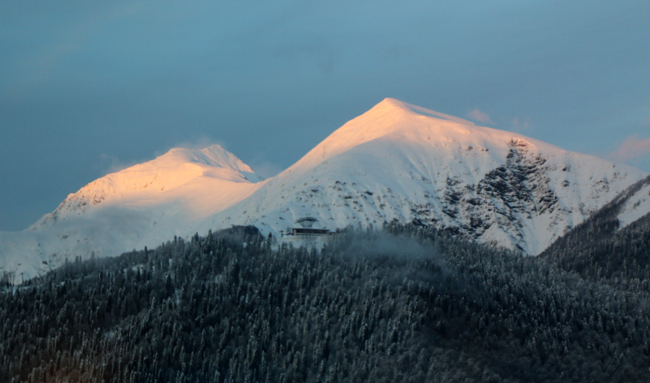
(306,228)
(306,234)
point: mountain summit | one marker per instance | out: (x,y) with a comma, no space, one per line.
(389,119)
(396,162)
(406,163)
(142,205)
(159,181)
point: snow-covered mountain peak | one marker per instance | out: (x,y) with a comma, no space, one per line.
(401,127)
(397,106)
(390,117)
(213,155)
(402,162)
(142,205)
(156,180)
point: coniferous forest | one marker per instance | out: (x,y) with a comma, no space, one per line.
(405,304)
(601,251)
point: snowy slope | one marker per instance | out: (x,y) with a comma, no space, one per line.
(402,162)
(143,205)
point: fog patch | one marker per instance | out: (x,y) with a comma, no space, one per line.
(379,243)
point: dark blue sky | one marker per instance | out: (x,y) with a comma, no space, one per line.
(90,87)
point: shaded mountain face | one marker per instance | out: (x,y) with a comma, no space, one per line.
(613,245)
(633,204)
(399,162)
(396,162)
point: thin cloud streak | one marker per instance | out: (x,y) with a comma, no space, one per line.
(521,123)
(111,164)
(480,116)
(632,148)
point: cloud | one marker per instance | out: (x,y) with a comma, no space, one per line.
(111,164)
(521,123)
(197,142)
(266,169)
(480,116)
(632,148)
(511,123)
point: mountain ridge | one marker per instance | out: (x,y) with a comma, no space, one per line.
(613,244)
(396,162)
(414,165)
(141,205)
(175,168)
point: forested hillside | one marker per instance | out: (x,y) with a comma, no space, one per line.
(407,304)
(599,250)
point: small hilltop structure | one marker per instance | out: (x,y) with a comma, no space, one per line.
(306,228)
(307,232)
